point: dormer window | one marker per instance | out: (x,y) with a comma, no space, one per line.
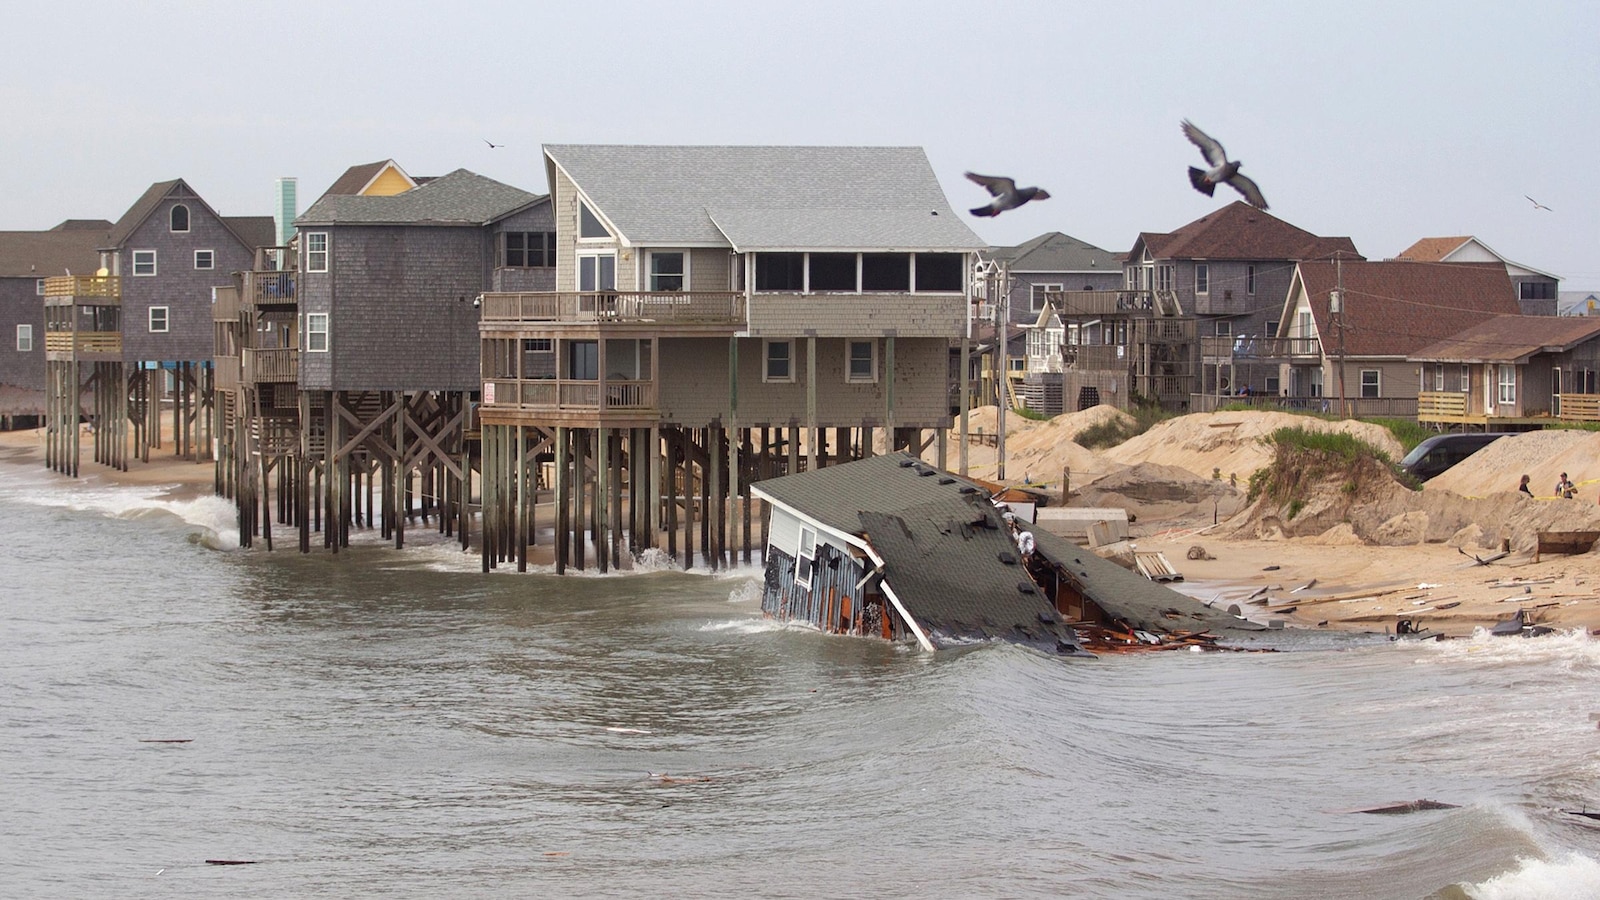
(178,217)
(589,224)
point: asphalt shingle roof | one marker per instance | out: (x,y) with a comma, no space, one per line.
(1433,249)
(941,540)
(40,254)
(768,198)
(459,198)
(1511,339)
(1057,252)
(1240,231)
(1396,307)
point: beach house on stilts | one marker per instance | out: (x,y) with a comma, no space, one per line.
(720,314)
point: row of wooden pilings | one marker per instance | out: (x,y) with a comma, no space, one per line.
(616,493)
(347,461)
(125,410)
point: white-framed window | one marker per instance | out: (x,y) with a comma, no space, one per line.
(1438,377)
(1508,384)
(1224,328)
(862,366)
(1163,278)
(1038,298)
(1250,279)
(538,345)
(805,557)
(178,217)
(38,287)
(160,319)
(1466,379)
(1202,278)
(316,251)
(597,272)
(1371,384)
(24,338)
(144,263)
(205,259)
(669,270)
(777,361)
(316,332)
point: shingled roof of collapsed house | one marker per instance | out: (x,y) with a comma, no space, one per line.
(947,555)
(943,542)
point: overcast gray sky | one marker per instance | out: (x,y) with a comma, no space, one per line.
(1382,121)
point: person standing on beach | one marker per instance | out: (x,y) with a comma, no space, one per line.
(1565,489)
(1523,487)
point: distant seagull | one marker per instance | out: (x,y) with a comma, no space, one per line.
(1537,204)
(492,144)
(1006,194)
(1221,169)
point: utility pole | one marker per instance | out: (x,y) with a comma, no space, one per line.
(1336,306)
(1002,384)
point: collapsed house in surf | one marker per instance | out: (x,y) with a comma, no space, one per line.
(891,547)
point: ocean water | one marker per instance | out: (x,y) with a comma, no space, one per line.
(397,724)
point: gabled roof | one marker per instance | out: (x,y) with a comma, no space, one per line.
(459,198)
(40,254)
(766,198)
(1511,339)
(1465,248)
(152,198)
(255,231)
(1395,307)
(357,179)
(1057,252)
(1240,231)
(1433,249)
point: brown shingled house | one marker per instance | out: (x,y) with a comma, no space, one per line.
(1359,350)
(1536,291)
(1197,304)
(1512,371)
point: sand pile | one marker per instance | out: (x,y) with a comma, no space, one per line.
(1544,455)
(1155,492)
(1365,504)
(1038,451)
(1231,442)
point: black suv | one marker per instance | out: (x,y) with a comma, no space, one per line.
(1442,451)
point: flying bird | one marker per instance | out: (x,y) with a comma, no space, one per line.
(1006,194)
(492,144)
(1537,204)
(1222,169)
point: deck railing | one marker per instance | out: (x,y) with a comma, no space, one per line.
(83,342)
(103,287)
(269,287)
(1580,407)
(1354,407)
(563,394)
(1436,405)
(696,307)
(276,365)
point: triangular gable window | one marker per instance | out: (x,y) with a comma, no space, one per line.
(589,225)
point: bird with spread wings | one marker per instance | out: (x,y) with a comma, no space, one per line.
(1221,171)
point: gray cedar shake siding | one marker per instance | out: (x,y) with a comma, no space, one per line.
(26,257)
(399,304)
(20,304)
(403,272)
(535,218)
(177,285)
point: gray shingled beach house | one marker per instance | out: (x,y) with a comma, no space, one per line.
(719,314)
